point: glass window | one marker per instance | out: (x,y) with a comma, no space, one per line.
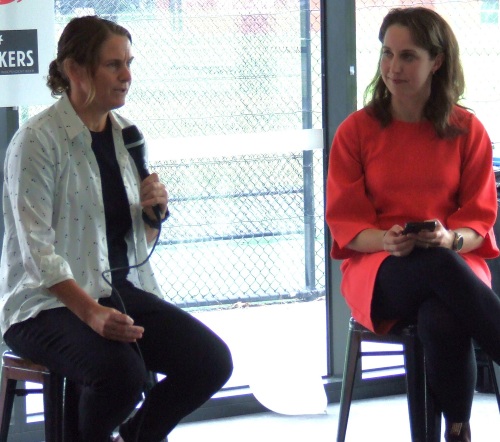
(489,12)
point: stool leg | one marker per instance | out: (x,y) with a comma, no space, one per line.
(494,374)
(415,386)
(350,366)
(53,407)
(7,395)
(425,419)
(71,398)
(432,417)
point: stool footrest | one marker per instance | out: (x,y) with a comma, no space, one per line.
(27,391)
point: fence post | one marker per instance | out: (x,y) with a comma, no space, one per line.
(307,162)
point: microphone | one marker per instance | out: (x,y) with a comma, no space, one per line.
(134,143)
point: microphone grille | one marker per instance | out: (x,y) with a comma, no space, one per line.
(132,137)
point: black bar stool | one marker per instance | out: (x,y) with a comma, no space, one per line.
(60,397)
(487,375)
(425,419)
(16,369)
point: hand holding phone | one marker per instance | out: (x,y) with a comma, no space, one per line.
(417,226)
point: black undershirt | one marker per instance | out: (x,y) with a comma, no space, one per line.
(116,204)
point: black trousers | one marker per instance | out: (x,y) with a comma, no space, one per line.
(452,307)
(112,375)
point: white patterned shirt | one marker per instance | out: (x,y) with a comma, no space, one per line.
(55,227)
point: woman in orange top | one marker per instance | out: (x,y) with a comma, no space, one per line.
(413,154)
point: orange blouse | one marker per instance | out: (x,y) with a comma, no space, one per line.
(379,177)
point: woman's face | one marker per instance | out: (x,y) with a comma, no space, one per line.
(113,76)
(406,68)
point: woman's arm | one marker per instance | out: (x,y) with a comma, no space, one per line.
(397,244)
(375,240)
(368,241)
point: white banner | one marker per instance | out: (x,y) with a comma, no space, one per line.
(27,46)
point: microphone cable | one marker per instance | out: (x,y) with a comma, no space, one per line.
(114,290)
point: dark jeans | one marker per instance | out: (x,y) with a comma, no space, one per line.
(196,362)
(452,306)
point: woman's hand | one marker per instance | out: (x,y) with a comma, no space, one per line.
(114,325)
(397,244)
(440,237)
(153,193)
(107,322)
(376,240)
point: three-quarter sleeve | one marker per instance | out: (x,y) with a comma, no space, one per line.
(30,176)
(348,208)
(477,192)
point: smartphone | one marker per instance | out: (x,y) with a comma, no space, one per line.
(415,227)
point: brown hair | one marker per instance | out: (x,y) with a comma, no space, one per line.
(431,32)
(81,41)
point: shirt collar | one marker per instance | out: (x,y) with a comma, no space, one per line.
(71,121)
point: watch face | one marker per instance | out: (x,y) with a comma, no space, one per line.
(459,242)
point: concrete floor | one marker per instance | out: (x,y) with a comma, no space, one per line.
(374,420)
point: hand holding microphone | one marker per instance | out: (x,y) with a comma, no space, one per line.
(154,196)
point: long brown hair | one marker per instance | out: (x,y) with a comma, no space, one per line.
(431,32)
(81,41)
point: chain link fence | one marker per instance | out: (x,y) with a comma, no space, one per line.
(237,230)
(245,227)
(207,67)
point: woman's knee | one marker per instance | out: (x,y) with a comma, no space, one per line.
(224,363)
(123,372)
(216,361)
(439,263)
(437,322)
